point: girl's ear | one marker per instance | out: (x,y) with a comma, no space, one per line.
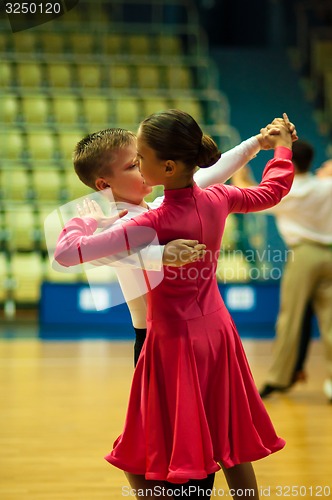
(101,184)
(170,167)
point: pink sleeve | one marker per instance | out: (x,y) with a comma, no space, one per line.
(77,242)
(276,182)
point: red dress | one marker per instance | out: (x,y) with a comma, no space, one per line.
(193,402)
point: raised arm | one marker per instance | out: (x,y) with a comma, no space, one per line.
(276,182)
(229,163)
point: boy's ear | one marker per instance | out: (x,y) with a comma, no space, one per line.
(170,167)
(101,184)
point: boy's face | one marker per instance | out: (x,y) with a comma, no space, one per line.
(125,179)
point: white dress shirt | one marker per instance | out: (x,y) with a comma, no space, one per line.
(305,214)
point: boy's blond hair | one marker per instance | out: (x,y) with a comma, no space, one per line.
(95,152)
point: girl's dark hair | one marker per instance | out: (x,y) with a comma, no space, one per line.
(175,135)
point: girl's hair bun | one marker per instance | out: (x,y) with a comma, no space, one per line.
(208,153)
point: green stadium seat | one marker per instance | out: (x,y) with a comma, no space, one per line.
(29,74)
(35,109)
(4,41)
(52,43)
(41,145)
(24,42)
(112,44)
(19,222)
(179,77)
(190,105)
(148,77)
(4,276)
(89,75)
(6,75)
(66,110)
(321,56)
(74,187)
(46,184)
(59,75)
(120,76)
(27,272)
(68,141)
(139,45)
(127,113)
(81,43)
(169,45)
(96,111)
(9,108)
(154,104)
(15,183)
(12,144)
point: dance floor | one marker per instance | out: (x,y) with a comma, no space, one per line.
(63,404)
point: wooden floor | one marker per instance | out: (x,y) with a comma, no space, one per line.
(63,404)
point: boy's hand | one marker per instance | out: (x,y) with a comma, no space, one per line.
(180,252)
(91,209)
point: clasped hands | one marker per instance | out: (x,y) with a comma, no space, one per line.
(280,129)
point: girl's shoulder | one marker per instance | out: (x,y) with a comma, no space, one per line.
(219,191)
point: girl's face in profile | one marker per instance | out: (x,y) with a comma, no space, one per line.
(151,167)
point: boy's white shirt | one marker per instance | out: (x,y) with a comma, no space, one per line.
(129,270)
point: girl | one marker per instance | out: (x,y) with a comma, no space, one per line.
(193,407)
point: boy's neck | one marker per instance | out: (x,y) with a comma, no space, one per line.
(142,203)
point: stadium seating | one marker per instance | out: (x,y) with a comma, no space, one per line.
(60,82)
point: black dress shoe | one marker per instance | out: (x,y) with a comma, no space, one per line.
(269,389)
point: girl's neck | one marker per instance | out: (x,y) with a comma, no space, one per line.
(179,183)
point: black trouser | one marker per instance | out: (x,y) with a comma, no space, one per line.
(139,341)
(305,338)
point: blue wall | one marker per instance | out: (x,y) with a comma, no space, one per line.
(64,315)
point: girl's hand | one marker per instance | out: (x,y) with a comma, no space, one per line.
(91,209)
